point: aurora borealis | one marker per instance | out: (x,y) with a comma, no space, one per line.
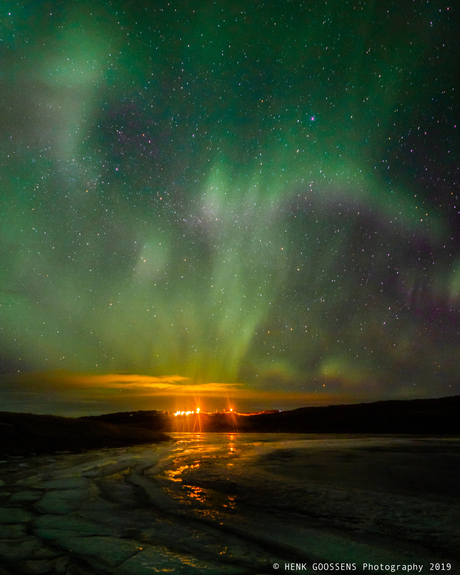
(259,197)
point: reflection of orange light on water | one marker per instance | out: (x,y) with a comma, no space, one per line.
(197,493)
(174,474)
(231,445)
(231,502)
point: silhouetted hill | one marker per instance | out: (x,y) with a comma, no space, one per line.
(433,416)
(25,433)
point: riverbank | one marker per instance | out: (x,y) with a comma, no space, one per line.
(27,434)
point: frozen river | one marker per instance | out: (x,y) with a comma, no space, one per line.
(242,503)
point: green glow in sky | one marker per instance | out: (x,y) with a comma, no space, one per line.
(259,194)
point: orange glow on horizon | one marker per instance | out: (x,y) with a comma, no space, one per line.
(114,392)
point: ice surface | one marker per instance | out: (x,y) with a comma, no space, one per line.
(61,502)
(37,566)
(73,483)
(8,515)
(12,531)
(25,496)
(28,548)
(55,527)
(101,551)
(229,503)
(155,559)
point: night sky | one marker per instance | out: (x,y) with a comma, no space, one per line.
(246,202)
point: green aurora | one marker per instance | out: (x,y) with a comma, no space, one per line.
(262,193)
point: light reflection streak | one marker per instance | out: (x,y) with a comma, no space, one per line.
(174,473)
(197,466)
(231,444)
(197,493)
(231,504)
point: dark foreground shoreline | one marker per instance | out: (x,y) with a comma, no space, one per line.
(26,434)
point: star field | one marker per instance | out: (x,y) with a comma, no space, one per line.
(256,193)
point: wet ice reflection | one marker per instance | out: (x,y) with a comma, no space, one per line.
(232,503)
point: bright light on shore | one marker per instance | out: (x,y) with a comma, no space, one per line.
(198,410)
(187,412)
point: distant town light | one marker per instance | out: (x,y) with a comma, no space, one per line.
(187,412)
(198,411)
